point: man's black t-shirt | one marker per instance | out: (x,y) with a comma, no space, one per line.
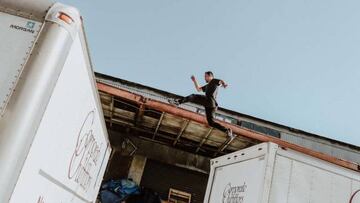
(210,90)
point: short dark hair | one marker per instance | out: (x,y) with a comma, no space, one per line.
(209,73)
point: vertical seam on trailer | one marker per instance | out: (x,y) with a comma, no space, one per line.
(288,193)
(351,188)
(272,176)
(272,156)
(311,184)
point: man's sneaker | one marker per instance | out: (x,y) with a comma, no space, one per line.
(230,133)
(174,102)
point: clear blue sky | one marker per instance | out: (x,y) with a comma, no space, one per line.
(296,63)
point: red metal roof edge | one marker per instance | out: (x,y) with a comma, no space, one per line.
(164,107)
(232,112)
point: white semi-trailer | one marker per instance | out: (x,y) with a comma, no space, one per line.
(267,173)
(53,141)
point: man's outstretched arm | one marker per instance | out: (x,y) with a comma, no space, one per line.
(223,83)
(196,84)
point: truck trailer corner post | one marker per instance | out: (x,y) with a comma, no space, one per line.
(51,117)
(267,173)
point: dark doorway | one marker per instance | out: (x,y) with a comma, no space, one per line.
(161,177)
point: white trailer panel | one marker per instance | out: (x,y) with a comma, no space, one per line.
(70,149)
(54,145)
(17,36)
(267,173)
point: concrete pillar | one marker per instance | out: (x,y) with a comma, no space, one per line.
(137,168)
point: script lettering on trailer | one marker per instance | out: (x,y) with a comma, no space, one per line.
(234,194)
(86,154)
(354,195)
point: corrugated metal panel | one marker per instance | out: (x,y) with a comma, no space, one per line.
(161,177)
(259,128)
(322,146)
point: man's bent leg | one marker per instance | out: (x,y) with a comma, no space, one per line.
(210,119)
(195,98)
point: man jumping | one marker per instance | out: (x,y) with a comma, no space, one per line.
(208,100)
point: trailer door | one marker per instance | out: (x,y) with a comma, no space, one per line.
(239,182)
(17,36)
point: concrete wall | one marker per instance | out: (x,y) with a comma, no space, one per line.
(137,168)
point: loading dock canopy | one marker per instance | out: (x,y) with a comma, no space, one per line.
(181,128)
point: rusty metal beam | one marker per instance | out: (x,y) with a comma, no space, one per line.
(186,114)
(204,139)
(129,124)
(111,110)
(139,114)
(158,125)
(185,125)
(170,138)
